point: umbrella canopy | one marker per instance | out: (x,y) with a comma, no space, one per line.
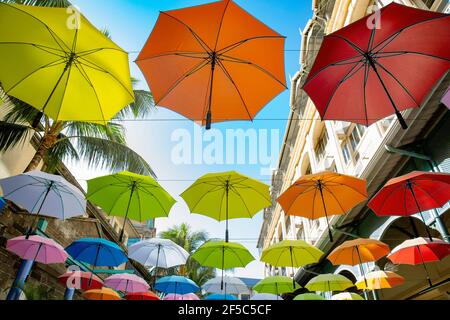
(130,195)
(412,193)
(217,296)
(367,71)
(227,195)
(347,296)
(358,251)
(80,280)
(162,253)
(276,285)
(230,286)
(101,294)
(126,283)
(265,297)
(187,296)
(309,296)
(141,296)
(380,280)
(176,285)
(71,72)
(97,252)
(322,195)
(37,248)
(215,54)
(328,282)
(291,253)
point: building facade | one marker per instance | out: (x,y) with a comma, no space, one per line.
(376,153)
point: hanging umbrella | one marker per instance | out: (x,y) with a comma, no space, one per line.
(420,251)
(230,286)
(347,296)
(227,195)
(177,285)
(222,255)
(217,296)
(97,252)
(364,72)
(46,194)
(227,62)
(131,196)
(323,194)
(412,193)
(276,285)
(309,296)
(69,72)
(141,296)
(380,280)
(37,248)
(357,252)
(101,294)
(291,253)
(265,297)
(328,282)
(127,283)
(187,297)
(80,280)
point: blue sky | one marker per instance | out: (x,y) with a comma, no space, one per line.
(130,24)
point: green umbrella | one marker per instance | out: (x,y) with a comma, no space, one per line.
(276,285)
(222,255)
(329,282)
(227,195)
(131,196)
(309,296)
(291,253)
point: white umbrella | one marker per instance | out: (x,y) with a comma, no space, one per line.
(45,194)
(160,253)
(231,286)
(266,296)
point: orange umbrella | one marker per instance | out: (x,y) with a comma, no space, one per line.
(380,280)
(101,294)
(323,194)
(213,62)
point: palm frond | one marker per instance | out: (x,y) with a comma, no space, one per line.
(41,3)
(63,150)
(142,106)
(12,134)
(107,154)
(111,131)
(18,111)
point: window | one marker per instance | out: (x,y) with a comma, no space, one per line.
(350,145)
(322,146)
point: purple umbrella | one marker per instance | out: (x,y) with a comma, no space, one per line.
(188,296)
(126,282)
(446,98)
(37,248)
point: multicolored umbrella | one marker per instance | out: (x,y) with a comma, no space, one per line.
(347,296)
(309,296)
(67,69)
(101,294)
(130,195)
(227,195)
(276,285)
(227,62)
(80,280)
(373,67)
(97,252)
(141,296)
(37,248)
(380,280)
(328,282)
(227,285)
(412,193)
(127,283)
(217,296)
(420,251)
(322,195)
(187,297)
(177,285)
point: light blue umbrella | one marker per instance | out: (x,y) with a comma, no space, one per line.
(176,285)
(97,252)
(218,296)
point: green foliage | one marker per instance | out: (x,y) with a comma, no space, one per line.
(37,292)
(41,3)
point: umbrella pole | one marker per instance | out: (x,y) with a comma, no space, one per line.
(397,113)
(30,229)
(410,187)
(425,267)
(227,188)
(156,266)
(213,68)
(95,263)
(133,187)
(325,210)
(292,264)
(223,265)
(360,266)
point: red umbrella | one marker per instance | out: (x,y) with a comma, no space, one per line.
(142,296)
(81,280)
(412,193)
(420,251)
(364,73)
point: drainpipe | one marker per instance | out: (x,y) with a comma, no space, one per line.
(434,168)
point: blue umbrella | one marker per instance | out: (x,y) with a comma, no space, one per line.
(176,285)
(218,296)
(97,252)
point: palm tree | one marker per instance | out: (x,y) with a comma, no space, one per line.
(190,240)
(101,145)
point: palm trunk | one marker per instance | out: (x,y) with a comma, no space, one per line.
(48,141)
(37,158)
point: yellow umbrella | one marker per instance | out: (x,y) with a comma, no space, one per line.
(347,296)
(380,280)
(61,64)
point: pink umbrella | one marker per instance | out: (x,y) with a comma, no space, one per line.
(37,248)
(188,296)
(126,282)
